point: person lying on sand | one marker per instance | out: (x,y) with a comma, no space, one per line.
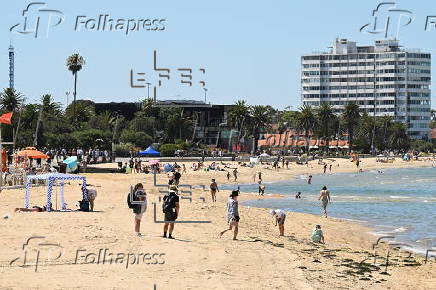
(33,209)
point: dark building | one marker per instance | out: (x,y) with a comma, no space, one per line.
(210,121)
(125,109)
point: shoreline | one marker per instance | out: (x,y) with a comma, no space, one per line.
(197,254)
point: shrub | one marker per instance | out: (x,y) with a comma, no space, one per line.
(123,150)
(168,149)
(139,139)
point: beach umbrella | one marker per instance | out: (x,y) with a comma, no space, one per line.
(31,152)
(71,162)
(152,162)
(168,167)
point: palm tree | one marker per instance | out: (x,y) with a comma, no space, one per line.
(351,118)
(10,100)
(260,120)
(398,138)
(238,115)
(306,122)
(75,62)
(50,107)
(325,116)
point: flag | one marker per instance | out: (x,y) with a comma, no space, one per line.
(6,118)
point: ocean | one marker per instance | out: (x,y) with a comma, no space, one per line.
(401,202)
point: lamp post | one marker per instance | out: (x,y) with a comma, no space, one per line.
(148,90)
(67,94)
(205,94)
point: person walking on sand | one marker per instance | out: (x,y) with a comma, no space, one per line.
(324,196)
(232,214)
(213,189)
(235,174)
(330,168)
(261,188)
(171,209)
(280,217)
(139,198)
(325,168)
(228,176)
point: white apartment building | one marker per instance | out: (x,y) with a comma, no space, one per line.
(384,79)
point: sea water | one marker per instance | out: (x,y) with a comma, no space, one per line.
(400,202)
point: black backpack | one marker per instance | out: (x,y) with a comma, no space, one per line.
(167,205)
(129,201)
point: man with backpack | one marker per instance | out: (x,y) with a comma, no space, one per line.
(171,210)
(137,200)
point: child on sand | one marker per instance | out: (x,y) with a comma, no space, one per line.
(317,235)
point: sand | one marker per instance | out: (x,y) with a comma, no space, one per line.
(197,258)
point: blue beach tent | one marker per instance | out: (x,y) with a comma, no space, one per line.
(149,152)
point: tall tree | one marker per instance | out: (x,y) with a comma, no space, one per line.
(10,100)
(238,116)
(75,63)
(306,121)
(325,118)
(351,118)
(398,138)
(260,120)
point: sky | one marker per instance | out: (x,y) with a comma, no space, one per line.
(249,50)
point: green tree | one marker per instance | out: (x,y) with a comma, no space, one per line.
(75,63)
(398,139)
(168,150)
(325,117)
(79,113)
(10,100)
(238,116)
(306,121)
(139,139)
(260,120)
(351,117)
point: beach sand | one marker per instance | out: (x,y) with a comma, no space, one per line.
(197,258)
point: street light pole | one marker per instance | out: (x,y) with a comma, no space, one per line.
(205,94)
(148,90)
(67,94)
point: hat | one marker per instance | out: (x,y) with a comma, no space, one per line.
(235,193)
(272,212)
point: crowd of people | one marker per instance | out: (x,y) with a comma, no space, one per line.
(137,201)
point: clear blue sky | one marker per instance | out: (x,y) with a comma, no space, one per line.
(251,49)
